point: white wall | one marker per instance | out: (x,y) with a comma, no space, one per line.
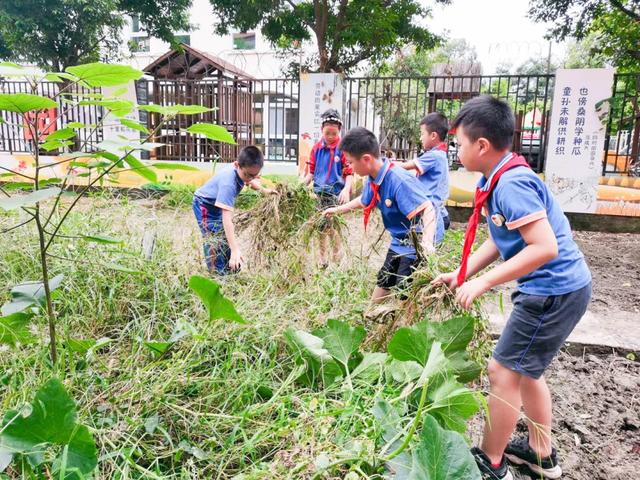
(260,62)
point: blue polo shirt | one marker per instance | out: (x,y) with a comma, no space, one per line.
(402,201)
(220,192)
(329,167)
(519,198)
(433,173)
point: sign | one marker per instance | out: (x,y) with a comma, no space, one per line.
(576,135)
(318,93)
(113,129)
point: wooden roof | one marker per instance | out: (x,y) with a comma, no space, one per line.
(192,64)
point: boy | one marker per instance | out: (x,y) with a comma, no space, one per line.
(433,166)
(402,202)
(213,207)
(531,233)
(331,176)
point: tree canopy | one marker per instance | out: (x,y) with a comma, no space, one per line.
(614,26)
(346,32)
(55,34)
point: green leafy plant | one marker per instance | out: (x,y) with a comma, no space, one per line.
(45,205)
(45,436)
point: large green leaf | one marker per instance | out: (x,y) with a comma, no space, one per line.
(104,75)
(212,132)
(175,166)
(341,341)
(28,294)
(391,423)
(371,367)
(14,329)
(134,125)
(24,102)
(18,201)
(218,305)
(309,350)
(413,343)
(452,404)
(51,423)
(117,107)
(140,168)
(442,455)
(62,134)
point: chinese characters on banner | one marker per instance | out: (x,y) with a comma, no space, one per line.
(318,92)
(576,135)
(113,129)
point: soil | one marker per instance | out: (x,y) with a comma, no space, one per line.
(596,406)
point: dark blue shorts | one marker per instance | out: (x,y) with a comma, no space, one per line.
(537,329)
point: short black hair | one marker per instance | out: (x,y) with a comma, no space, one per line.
(488,117)
(359,141)
(436,122)
(251,156)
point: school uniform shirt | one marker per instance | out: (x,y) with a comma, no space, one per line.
(433,172)
(220,193)
(329,167)
(519,198)
(402,200)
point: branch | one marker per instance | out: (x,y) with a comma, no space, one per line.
(627,11)
(17,173)
(7,230)
(342,8)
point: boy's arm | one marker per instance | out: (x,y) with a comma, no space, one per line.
(541,248)
(255,184)
(345,193)
(408,165)
(308,178)
(236,260)
(428,228)
(485,255)
(354,204)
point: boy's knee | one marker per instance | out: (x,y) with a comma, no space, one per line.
(501,376)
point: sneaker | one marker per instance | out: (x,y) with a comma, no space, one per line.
(488,471)
(519,452)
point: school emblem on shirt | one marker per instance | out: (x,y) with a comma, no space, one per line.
(497,219)
(388,202)
(336,158)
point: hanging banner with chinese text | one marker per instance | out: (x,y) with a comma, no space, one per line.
(576,135)
(318,92)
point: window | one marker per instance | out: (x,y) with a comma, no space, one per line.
(186,39)
(244,41)
(139,44)
(135,23)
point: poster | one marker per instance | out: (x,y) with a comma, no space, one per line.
(318,92)
(576,134)
(113,130)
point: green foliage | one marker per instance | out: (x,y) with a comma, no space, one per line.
(212,132)
(19,201)
(104,75)
(59,33)
(14,329)
(615,27)
(51,422)
(29,294)
(24,102)
(346,32)
(218,306)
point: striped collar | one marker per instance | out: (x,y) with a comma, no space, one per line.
(484,183)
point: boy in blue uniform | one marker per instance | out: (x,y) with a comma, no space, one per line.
(213,208)
(401,200)
(529,230)
(432,166)
(331,176)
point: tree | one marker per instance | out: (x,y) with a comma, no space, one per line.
(55,34)
(346,32)
(614,23)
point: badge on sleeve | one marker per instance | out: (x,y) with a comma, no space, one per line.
(388,202)
(497,219)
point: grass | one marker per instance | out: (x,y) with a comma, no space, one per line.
(223,403)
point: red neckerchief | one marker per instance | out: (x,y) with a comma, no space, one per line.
(332,149)
(442,147)
(479,200)
(375,190)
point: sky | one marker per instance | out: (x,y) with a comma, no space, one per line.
(499,29)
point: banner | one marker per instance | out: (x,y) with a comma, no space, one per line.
(318,92)
(113,129)
(576,135)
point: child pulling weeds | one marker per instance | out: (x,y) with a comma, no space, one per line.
(401,200)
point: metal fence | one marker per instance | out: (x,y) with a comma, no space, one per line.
(16,138)
(266,112)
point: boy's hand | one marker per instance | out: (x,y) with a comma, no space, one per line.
(344,197)
(330,212)
(269,191)
(237,260)
(471,290)
(449,279)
